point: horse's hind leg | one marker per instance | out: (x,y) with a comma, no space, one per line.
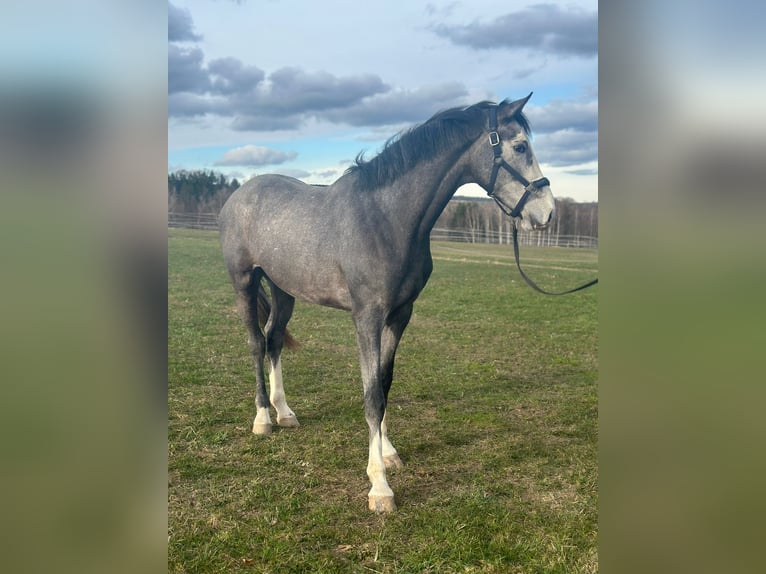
(281,310)
(247,288)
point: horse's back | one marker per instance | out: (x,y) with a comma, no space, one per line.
(259,189)
(259,200)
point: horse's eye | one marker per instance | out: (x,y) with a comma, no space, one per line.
(520,148)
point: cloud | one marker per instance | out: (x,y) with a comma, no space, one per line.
(230,76)
(583,171)
(566,147)
(565,131)
(290,96)
(524,73)
(441,9)
(401,106)
(292,88)
(296,173)
(257,122)
(285,99)
(185,70)
(563,114)
(252,155)
(544,28)
(332,173)
(180,25)
(252,100)
(186,105)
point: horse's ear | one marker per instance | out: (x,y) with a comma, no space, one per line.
(510,109)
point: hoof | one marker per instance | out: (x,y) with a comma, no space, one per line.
(381,504)
(262,429)
(288,422)
(393,461)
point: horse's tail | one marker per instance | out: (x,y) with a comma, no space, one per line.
(264,308)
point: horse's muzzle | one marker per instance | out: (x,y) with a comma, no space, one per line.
(541,226)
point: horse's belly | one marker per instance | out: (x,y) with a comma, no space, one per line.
(311,281)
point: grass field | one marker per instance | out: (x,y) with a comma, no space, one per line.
(493,411)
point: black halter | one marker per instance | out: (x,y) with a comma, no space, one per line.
(499,161)
(529,188)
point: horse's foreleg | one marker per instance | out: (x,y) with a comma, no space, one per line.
(392,334)
(381,497)
(390,456)
(369,329)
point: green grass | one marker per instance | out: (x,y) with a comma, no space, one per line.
(493,411)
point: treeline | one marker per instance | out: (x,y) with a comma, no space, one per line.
(479,218)
(198,191)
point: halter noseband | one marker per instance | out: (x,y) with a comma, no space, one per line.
(499,161)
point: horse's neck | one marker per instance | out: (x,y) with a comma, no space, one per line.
(426,190)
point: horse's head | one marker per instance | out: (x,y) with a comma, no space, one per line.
(510,173)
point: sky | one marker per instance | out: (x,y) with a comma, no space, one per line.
(301,88)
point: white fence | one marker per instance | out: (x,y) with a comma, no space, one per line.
(193,220)
(539,238)
(545,238)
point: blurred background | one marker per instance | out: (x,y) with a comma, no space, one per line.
(83,319)
(682,172)
(83,144)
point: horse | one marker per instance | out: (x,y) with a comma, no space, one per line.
(362,244)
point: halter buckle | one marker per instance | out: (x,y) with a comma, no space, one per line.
(494,138)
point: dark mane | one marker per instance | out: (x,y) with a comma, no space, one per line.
(405,150)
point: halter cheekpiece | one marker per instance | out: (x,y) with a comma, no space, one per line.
(499,162)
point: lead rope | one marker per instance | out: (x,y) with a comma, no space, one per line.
(532,283)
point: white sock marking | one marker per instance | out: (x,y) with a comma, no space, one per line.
(388,448)
(376,469)
(277,398)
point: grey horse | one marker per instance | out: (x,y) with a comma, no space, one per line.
(362,245)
